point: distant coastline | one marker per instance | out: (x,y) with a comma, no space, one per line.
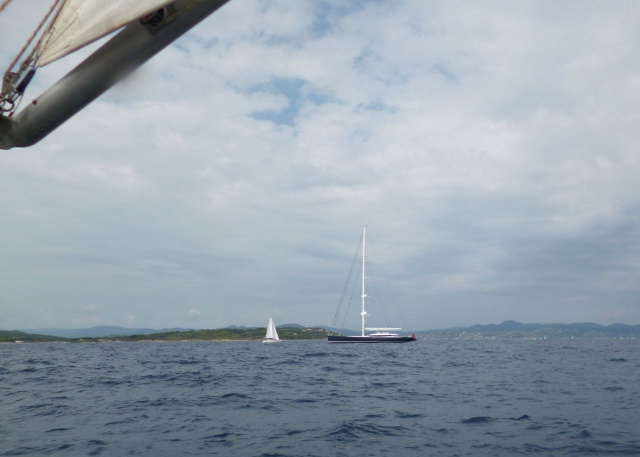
(506,329)
(226,334)
(516,330)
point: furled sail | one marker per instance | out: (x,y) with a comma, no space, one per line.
(81,22)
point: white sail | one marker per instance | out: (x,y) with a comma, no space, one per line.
(81,22)
(272,333)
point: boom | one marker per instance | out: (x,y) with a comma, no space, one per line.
(117,58)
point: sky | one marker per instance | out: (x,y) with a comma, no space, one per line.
(491,148)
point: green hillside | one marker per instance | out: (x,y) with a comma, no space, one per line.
(12,336)
(285,333)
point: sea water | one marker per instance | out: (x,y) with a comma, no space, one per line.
(310,398)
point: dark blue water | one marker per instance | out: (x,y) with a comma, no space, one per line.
(434,398)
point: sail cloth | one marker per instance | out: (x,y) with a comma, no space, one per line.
(272,333)
(81,22)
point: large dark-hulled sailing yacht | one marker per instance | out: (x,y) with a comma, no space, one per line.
(380,334)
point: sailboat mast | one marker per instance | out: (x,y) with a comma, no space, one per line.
(363,311)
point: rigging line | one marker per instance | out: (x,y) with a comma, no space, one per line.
(389,288)
(341,304)
(378,295)
(16,82)
(393,295)
(4,5)
(353,293)
(394,298)
(33,36)
(47,32)
(346,285)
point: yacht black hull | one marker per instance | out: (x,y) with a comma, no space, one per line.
(370,339)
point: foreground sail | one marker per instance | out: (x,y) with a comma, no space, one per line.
(81,22)
(272,333)
(381,334)
(148,26)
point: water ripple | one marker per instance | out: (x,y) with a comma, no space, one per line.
(438,398)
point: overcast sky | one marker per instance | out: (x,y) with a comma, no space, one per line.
(491,148)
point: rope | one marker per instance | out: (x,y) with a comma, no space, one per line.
(33,35)
(4,5)
(346,288)
(386,283)
(10,98)
(51,23)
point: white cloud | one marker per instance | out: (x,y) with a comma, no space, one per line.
(490,148)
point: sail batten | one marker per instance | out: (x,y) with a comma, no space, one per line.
(81,22)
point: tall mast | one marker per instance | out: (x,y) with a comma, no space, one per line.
(363,312)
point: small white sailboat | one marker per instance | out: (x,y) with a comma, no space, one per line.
(380,334)
(272,333)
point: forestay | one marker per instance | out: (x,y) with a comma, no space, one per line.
(81,22)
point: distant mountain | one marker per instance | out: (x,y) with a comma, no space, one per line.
(99,331)
(513,329)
